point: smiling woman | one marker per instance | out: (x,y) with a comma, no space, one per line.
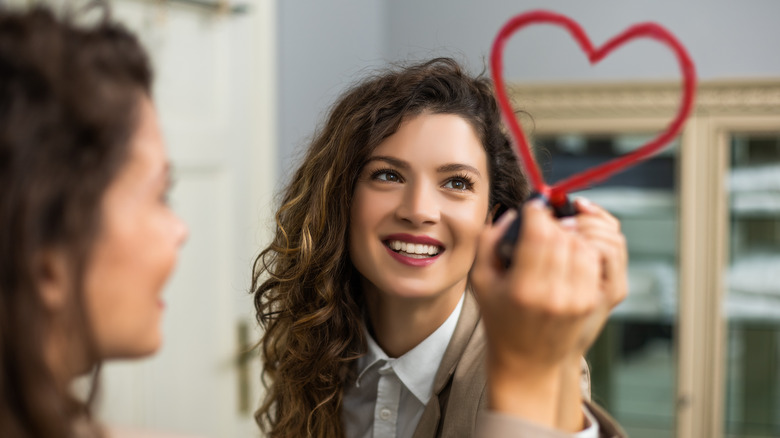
(312,305)
(410,184)
(436,202)
(384,239)
(88,239)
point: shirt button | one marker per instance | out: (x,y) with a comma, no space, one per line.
(384,414)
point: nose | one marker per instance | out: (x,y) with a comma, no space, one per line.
(419,205)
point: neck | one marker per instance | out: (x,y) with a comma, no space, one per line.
(65,358)
(400,324)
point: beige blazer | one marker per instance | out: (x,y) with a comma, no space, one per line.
(459,391)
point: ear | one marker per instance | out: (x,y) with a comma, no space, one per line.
(53,279)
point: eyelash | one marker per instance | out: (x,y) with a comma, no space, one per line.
(375,174)
(165,196)
(465,178)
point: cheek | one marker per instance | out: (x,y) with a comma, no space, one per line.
(170,233)
(124,282)
(468,224)
(112,295)
(360,224)
(368,210)
(356,212)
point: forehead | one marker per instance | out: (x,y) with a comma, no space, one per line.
(147,158)
(435,139)
(146,143)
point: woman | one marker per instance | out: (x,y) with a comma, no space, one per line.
(371,327)
(88,239)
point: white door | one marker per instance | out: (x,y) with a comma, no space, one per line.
(214,92)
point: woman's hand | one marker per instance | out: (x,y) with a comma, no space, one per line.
(602,231)
(543,313)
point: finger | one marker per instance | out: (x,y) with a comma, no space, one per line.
(613,244)
(585,275)
(593,305)
(532,255)
(587,208)
(569,223)
(491,237)
(597,220)
(538,228)
(559,271)
(613,269)
(495,231)
(595,232)
(504,220)
(487,267)
(594,228)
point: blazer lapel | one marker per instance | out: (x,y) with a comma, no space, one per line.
(464,330)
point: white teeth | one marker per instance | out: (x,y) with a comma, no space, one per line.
(413,248)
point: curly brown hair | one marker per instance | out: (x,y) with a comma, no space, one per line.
(306,292)
(68,106)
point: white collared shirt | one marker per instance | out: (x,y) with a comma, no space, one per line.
(389,395)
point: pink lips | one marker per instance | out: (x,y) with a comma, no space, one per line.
(423,240)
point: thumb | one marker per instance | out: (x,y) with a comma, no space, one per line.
(487,265)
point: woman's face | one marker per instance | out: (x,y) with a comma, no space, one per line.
(419,206)
(136,249)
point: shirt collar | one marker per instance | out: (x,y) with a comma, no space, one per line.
(417,368)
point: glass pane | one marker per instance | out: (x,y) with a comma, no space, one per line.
(752,303)
(633,363)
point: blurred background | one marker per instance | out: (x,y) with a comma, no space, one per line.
(243,84)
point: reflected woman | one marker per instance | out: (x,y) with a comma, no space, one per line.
(384,246)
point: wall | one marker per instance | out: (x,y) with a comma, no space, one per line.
(324,45)
(725,38)
(321,47)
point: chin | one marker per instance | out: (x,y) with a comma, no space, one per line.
(416,289)
(148,349)
(137,349)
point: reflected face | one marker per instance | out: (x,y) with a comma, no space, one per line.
(418,208)
(136,249)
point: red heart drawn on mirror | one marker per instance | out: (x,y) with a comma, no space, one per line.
(557,192)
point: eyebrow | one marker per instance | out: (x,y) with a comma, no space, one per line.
(455,167)
(444,168)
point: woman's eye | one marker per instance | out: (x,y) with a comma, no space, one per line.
(165,194)
(385,175)
(457,184)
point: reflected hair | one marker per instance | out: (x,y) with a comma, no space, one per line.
(69,99)
(306,291)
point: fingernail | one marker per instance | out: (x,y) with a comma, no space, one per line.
(506,217)
(537,204)
(569,223)
(583,201)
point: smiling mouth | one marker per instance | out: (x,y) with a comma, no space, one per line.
(413,250)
